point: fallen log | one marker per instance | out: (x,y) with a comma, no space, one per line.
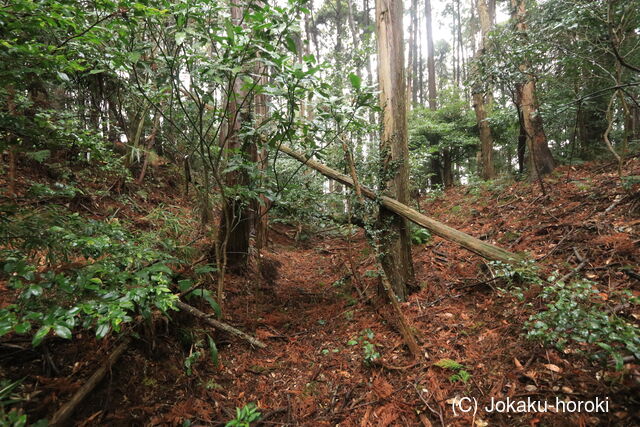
(62,415)
(220,325)
(477,246)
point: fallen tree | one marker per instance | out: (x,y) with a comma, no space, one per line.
(484,249)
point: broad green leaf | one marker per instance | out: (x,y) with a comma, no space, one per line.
(40,334)
(291,45)
(22,328)
(356,81)
(62,331)
(103,330)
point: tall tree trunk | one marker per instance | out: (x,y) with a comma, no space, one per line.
(354,30)
(462,61)
(478,93)
(394,150)
(436,164)
(339,32)
(491,7)
(261,220)
(414,52)
(540,161)
(235,221)
(419,82)
(447,168)
(431,64)
(522,134)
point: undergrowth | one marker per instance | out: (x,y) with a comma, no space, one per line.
(575,316)
(70,272)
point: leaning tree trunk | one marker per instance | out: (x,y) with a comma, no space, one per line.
(394,150)
(477,246)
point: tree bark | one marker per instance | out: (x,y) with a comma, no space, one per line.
(394,149)
(431,64)
(478,93)
(261,220)
(432,93)
(540,160)
(235,221)
(415,83)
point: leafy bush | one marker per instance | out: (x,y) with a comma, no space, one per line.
(109,281)
(575,314)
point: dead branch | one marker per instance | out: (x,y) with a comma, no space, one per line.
(580,266)
(62,415)
(220,325)
(405,331)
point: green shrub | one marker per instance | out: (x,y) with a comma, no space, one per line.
(575,314)
(111,279)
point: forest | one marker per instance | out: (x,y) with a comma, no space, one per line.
(320,212)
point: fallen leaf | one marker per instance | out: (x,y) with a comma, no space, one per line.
(382,388)
(518,364)
(552,367)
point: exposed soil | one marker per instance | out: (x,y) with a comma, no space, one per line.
(307,313)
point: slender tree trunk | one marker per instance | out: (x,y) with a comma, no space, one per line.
(462,60)
(540,161)
(431,65)
(149,144)
(414,52)
(420,65)
(235,221)
(478,93)
(394,149)
(447,168)
(491,6)
(261,221)
(522,134)
(436,164)
(339,32)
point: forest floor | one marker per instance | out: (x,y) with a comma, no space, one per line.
(321,334)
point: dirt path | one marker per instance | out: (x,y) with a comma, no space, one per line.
(320,336)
